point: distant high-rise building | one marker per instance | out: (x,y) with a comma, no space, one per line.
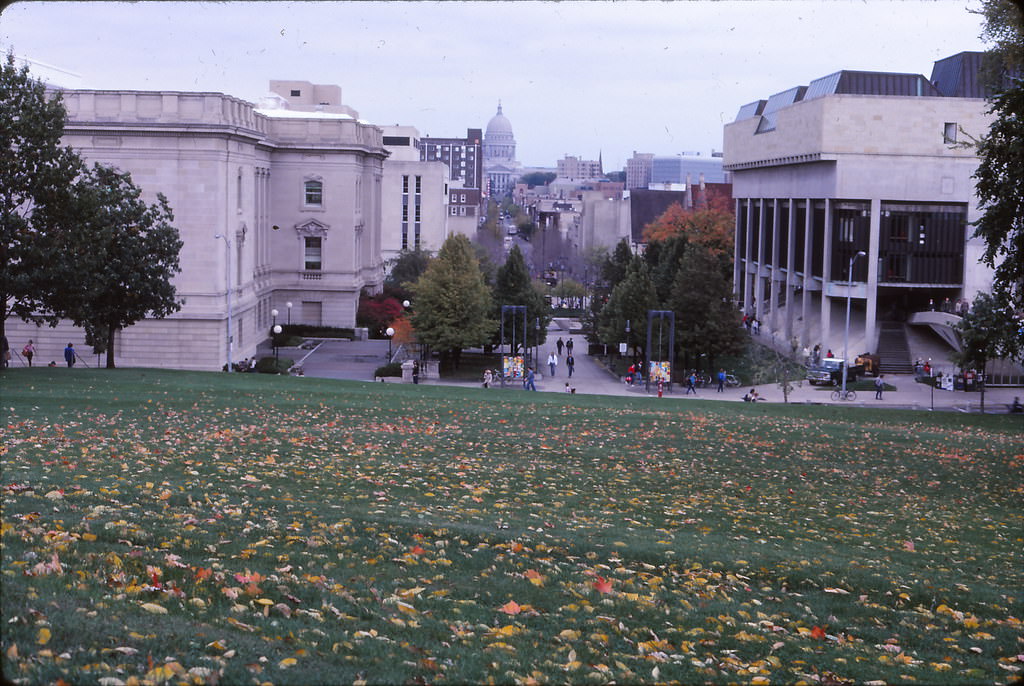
(465,160)
(500,166)
(687,169)
(571,167)
(638,170)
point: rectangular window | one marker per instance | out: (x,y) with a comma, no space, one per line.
(949,133)
(314,253)
(405,236)
(314,193)
(418,179)
(405,213)
(296,94)
(417,216)
(405,184)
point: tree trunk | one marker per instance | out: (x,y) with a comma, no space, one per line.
(110,346)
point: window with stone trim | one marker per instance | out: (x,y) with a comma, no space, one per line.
(313,193)
(313,257)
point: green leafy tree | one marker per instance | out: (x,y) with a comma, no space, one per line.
(609,270)
(526,227)
(988,331)
(513,286)
(538,178)
(629,302)
(453,303)
(117,266)
(35,174)
(404,270)
(707,323)
(1000,175)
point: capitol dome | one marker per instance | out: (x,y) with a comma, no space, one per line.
(499,126)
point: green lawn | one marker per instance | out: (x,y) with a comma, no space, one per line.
(235,529)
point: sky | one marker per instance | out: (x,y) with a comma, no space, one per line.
(574,78)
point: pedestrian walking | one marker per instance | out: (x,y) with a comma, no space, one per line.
(29,351)
(559,344)
(879,387)
(691,384)
(528,384)
(570,363)
(568,346)
(488,378)
(69,355)
(721,381)
(415,371)
(552,363)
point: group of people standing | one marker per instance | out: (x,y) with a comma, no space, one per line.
(29,353)
(570,361)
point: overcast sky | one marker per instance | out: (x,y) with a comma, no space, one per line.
(577,78)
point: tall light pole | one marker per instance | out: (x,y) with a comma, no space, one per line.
(389,332)
(846,337)
(289,306)
(227,280)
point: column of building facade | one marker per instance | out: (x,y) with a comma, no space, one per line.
(808,278)
(737,265)
(790,283)
(748,262)
(759,273)
(871,294)
(826,277)
(773,270)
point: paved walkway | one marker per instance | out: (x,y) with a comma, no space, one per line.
(357,360)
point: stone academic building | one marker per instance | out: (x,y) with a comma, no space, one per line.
(276,203)
(858,162)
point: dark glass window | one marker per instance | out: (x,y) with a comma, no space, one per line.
(314,193)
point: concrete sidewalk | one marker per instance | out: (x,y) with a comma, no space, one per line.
(357,360)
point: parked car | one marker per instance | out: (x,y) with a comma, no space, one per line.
(829,372)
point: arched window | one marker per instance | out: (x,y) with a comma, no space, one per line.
(314,193)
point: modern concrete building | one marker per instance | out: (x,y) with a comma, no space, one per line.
(860,166)
(276,203)
(501,169)
(414,196)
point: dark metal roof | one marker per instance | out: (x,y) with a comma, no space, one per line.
(959,76)
(848,82)
(751,110)
(776,103)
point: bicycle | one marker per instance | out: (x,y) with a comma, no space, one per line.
(844,395)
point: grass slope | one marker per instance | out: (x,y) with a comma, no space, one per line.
(211,528)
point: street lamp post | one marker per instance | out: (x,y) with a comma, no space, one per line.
(227,280)
(389,332)
(846,336)
(274,330)
(289,306)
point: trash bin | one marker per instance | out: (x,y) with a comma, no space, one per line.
(969,384)
(958,382)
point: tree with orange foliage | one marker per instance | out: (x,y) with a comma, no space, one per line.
(711,226)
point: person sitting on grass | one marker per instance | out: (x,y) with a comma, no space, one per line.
(752,396)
